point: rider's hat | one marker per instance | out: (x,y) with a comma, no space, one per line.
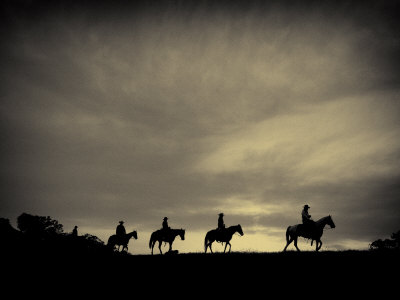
(306,206)
(165,218)
(221,214)
(121,222)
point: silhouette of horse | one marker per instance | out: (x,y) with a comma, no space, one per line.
(223,236)
(165,236)
(293,232)
(121,241)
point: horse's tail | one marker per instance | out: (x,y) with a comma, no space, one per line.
(151,240)
(110,240)
(287,234)
(205,242)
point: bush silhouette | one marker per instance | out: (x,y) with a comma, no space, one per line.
(42,235)
(396,238)
(387,244)
(8,232)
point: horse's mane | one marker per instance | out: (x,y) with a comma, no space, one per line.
(319,221)
(234,226)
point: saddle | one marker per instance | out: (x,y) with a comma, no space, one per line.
(165,232)
(120,237)
(307,230)
(221,233)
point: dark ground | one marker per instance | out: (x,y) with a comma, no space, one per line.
(40,261)
(249,275)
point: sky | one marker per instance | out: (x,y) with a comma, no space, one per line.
(137,111)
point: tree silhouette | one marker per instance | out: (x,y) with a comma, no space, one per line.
(38,226)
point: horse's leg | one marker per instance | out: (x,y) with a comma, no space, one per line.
(209,246)
(170,247)
(230,246)
(289,239)
(226,244)
(295,243)
(159,246)
(318,246)
(288,243)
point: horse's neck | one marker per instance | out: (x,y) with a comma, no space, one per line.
(232,229)
(322,222)
(175,232)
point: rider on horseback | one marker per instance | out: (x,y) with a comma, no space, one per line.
(121,232)
(221,224)
(165,224)
(75,231)
(165,228)
(309,224)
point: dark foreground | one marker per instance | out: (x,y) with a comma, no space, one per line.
(304,274)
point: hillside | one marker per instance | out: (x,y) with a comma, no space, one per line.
(50,260)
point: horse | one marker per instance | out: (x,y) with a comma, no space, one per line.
(293,232)
(223,236)
(165,236)
(121,240)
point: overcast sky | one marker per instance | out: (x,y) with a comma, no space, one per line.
(185,110)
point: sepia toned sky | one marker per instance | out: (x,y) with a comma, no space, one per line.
(186,109)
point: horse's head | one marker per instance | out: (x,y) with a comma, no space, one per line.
(182,234)
(239,229)
(134,234)
(330,222)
